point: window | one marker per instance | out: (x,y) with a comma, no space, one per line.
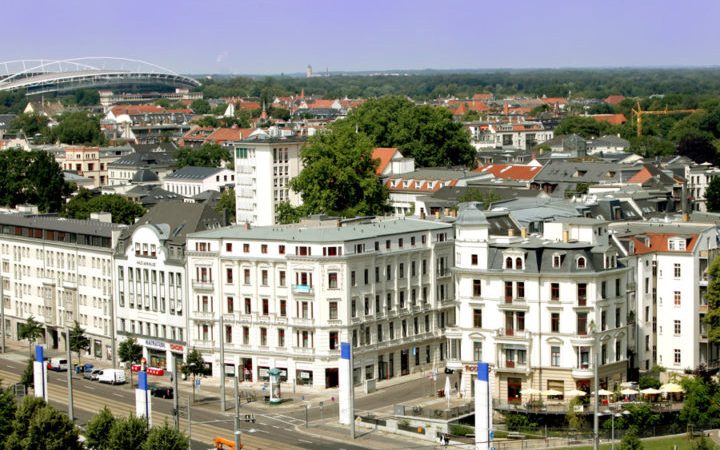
(554,291)
(677,356)
(508,263)
(246,276)
(333,310)
(246,248)
(677,298)
(555,356)
(476,288)
(263,248)
(352,279)
(581,263)
(283,308)
(555,322)
(387,244)
(265,307)
(618,319)
(401,270)
(400,242)
(477,351)
(676,270)
(582,324)
(520,289)
(263,336)
(246,335)
(508,291)
(582,294)
(282,278)
(473,260)
(228,275)
(477,318)
(281,337)
(248,305)
(228,334)
(230,305)
(228,247)
(281,249)
(518,263)
(353,308)
(556,261)
(264,277)
(334,339)
(677,328)
(333,280)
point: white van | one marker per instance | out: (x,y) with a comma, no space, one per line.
(111,376)
(57,364)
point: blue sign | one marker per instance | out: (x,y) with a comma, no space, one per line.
(142,381)
(39,355)
(345,350)
(197,382)
(483,371)
(492,435)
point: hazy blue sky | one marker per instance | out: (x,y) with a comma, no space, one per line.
(273,36)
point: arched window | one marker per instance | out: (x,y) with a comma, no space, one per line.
(581,263)
(508,263)
(518,263)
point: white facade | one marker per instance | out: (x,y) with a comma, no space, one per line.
(151,295)
(59,271)
(698,179)
(518,135)
(190,187)
(528,305)
(286,297)
(264,166)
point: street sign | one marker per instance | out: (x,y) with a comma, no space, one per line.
(197,382)
(492,435)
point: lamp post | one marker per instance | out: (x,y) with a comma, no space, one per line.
(612,425)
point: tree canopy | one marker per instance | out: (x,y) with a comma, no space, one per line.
(165,438)
(7,413)
(31,177)
(712,318)
(30,124)
(586,127)
(226,202)
(78,340)
(127,433)
(130,351)
(339,175)
(208,155)
(30,330)
(40,426)
(122,209)
(200,106)
(426,133)
(97,431)
(77,128)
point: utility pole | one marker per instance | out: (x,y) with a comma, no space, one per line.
(237,413)
(189,424)
(69,371)
(176,394)
(222,360)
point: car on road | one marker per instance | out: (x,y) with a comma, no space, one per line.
(92,374)
(111,376)
(161,391)
(57,364)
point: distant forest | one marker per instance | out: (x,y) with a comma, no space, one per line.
(587,83)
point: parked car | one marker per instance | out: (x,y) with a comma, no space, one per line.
(92,374)
(161,391)
(111,376)
(57,364)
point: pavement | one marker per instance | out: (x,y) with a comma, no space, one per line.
(288,425)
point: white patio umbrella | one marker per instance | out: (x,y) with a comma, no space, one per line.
(575,393)
(603,392)
(650,391)
(629,391)
(671,388)
(551,393)
(530,391)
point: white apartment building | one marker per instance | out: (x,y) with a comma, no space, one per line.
(698,179)
(510,135)
(285,297)
(191,181)
(59,271)
(151,280)
(536,306)
(264,166)
(670,262)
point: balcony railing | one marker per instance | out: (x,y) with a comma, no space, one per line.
(302,289)
(582,301)
(203,315)
(303,350)
(204,284)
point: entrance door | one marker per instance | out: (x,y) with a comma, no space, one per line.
(331,378)
(514,388)
(404,362)
(382,370)
(53,338)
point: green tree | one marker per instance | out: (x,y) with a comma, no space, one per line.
(165,438)
(285,213)
(703,444)
(630,440)
(712,195)
(226,202)
(30,124)
(51,430)
(78,128)
(130,352)
(122,209)
(31,177)
(649,381)
(208,155)
(651,146)
(78,340)
(7,413)
(30,330)
(575,420)
(127,434)
(701,405)
(641,416)
(712,318)
(698,146)
(194,365)
(487,198)
(97,431)
(27,378)
(339,176)
(586,127)
(471,116)
(200,106)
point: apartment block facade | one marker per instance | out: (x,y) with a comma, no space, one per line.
(285,297)
(538,308)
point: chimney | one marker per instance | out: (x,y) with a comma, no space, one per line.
(511,232)
(566,235)
(523,232)
(246,226)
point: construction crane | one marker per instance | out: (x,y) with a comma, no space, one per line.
(639,113)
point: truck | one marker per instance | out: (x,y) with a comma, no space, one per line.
(111,376)
(57,364)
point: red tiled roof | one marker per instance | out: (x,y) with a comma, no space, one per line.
(614,99)
(321,103)
(641,176)
(658,242)
(554,100)
(613,119)
(249,105)
(482,96)
(385,155)
(517,172)
(136,109)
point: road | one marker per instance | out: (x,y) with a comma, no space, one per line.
(270,431)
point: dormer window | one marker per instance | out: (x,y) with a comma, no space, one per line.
(677,244)
(508,263)
(518,263)
(556,261)
(581,263)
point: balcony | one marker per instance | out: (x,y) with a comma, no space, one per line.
(512,333)
(206,316)
(203,344)
(305,351)
(302,322)
(584,371)
(302,289)
(203,285)
(511,365)
(444,273)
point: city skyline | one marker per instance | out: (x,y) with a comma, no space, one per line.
(278,36)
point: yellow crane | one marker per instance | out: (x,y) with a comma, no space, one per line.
(639,113)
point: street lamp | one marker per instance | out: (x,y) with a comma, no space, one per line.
(612,424)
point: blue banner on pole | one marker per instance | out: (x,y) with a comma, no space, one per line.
(142,381)
(483,371)
(345,350)
(39,353)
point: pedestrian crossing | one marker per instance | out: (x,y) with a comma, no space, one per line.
(202,432)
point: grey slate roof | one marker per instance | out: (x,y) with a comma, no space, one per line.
(580,172)
(6,120)
(149,195)
(144,176)
(193,173)
(47,222)
(144,159)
